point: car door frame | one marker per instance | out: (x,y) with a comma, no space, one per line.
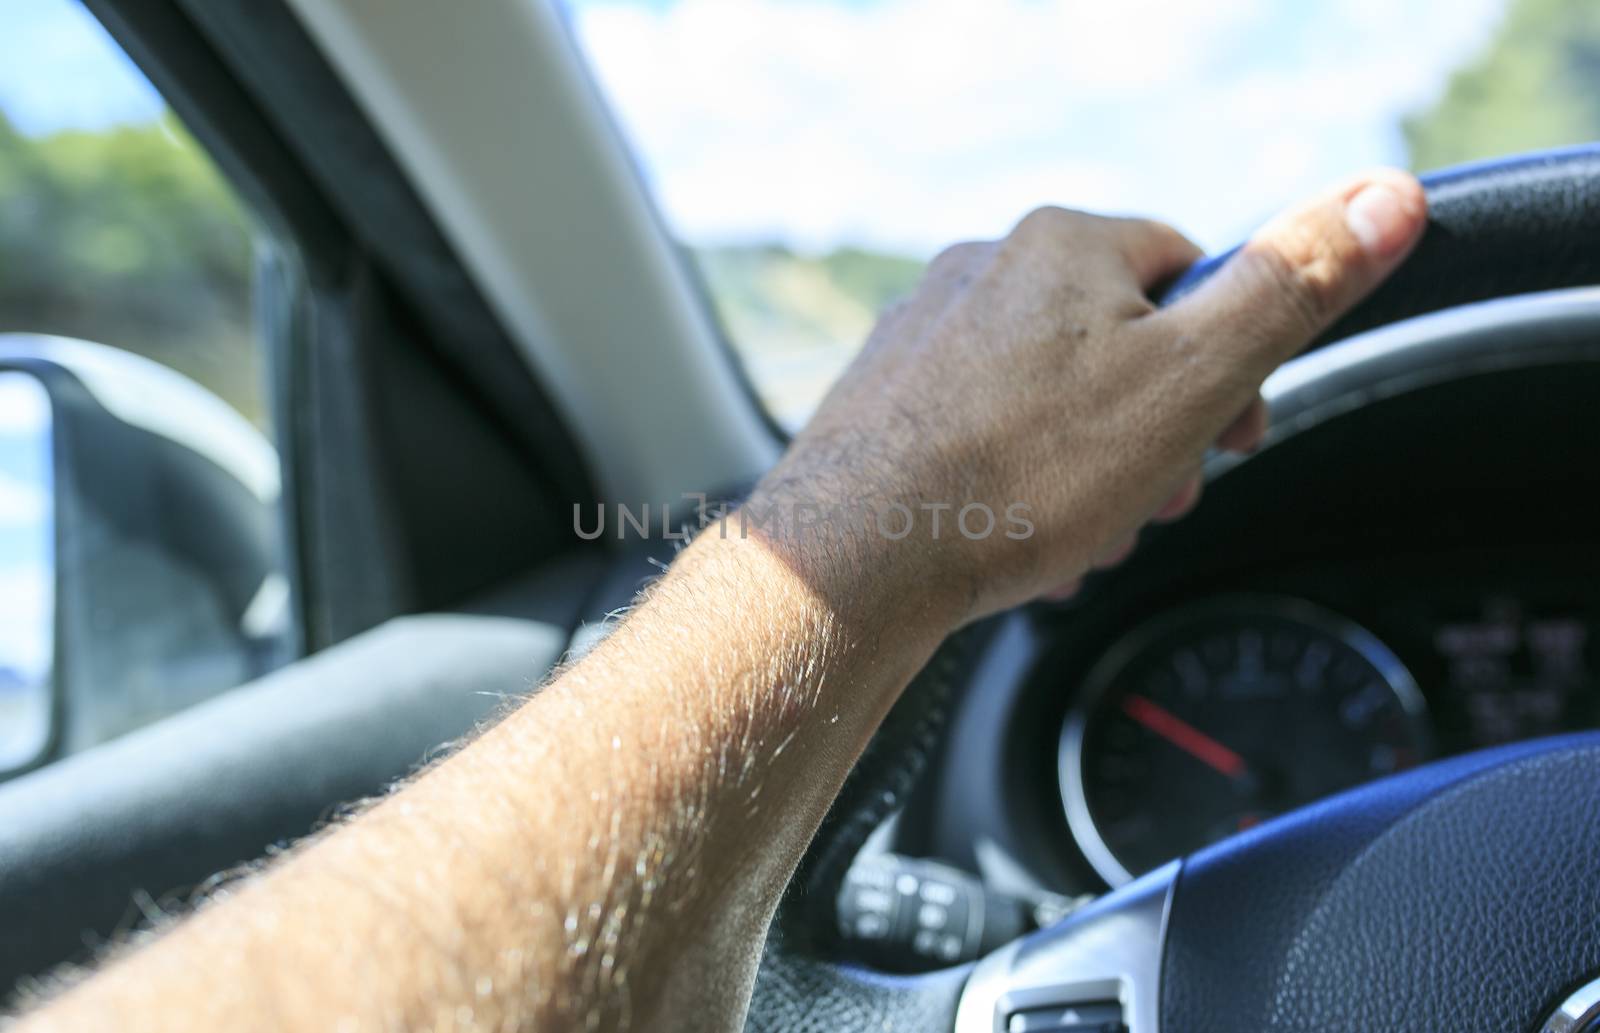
(429,472)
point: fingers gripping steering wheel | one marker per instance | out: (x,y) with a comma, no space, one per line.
(1463,895)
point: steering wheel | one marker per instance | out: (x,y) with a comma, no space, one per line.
(1462,895)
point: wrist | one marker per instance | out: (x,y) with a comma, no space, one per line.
(874,562)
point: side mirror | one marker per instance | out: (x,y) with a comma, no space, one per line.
(152,547)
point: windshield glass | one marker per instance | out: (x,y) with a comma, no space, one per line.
(813,154)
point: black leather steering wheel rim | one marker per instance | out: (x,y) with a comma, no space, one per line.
(1497,228)
(1521,225)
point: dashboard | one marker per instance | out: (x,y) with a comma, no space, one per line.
(1408,576)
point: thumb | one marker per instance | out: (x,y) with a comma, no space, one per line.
(1306,267)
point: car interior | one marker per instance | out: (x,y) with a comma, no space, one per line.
(1320,755)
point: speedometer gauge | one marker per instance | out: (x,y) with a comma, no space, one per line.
(1219,716)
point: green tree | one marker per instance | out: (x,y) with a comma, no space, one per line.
(770,298)
(1536,85)
(130,237)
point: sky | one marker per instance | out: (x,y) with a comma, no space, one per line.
(59,70)
(906,124)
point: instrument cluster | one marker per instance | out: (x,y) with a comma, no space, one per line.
(1225,711)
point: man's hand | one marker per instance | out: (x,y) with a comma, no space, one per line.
(1036,370)
(610,855)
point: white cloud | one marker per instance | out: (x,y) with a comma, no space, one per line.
(909,123)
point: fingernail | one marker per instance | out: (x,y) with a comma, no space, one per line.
(1379,219)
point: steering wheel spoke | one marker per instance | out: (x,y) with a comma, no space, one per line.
(1099,971)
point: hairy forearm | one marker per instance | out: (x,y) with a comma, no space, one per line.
(627,832)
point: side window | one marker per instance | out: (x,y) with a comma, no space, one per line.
(141,542)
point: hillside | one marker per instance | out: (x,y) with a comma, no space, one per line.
(797,318)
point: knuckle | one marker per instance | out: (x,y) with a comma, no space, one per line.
(957,256)
(1164,232)
(1047,221)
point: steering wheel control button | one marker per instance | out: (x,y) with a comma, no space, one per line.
(1101,1017)
(910,915)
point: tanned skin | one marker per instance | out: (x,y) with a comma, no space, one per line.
(609,855)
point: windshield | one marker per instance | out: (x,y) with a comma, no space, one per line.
(813,154)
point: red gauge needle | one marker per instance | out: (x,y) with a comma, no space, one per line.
(1185,736)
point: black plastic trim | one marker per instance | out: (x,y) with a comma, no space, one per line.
(373,278)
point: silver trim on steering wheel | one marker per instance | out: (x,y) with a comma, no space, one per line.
(1107,952)
(1552,327)
(1577,1013)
